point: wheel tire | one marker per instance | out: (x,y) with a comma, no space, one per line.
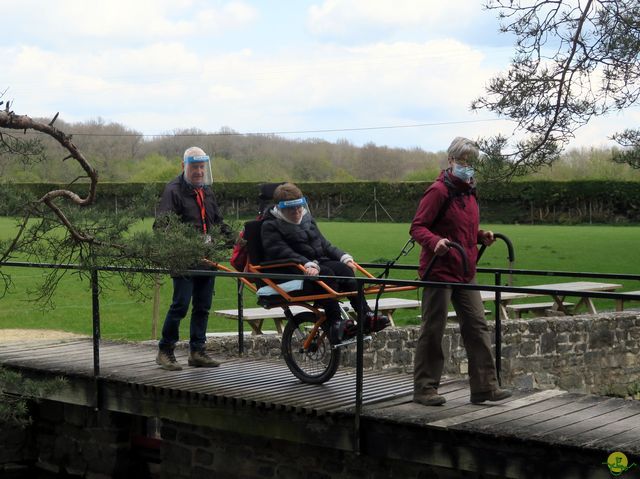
(316,365)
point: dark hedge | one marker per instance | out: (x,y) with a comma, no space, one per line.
(570,202)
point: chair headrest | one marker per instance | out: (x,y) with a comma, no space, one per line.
(265,197)
(253,237)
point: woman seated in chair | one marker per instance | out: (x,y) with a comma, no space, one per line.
(290,233)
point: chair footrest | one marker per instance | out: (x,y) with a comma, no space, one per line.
(349,342)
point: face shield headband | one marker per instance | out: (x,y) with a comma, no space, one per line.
(196,159)
(292,203)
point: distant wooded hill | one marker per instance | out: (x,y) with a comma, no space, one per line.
(122,154)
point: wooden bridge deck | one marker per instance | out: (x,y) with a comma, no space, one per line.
(553,419)
(252,382)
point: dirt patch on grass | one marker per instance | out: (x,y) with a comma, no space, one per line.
(10,335)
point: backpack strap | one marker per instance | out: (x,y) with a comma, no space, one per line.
(452,194)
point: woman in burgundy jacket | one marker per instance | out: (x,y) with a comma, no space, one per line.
(447,212)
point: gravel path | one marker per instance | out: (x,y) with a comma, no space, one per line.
(8,335)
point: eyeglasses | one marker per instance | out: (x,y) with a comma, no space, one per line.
(461,162)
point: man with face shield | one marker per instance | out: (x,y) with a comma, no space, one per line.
(190,197)
(197,168)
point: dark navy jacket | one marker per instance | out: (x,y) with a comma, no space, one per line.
(301,243)
(179,197)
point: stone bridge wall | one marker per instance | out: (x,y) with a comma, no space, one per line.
(597,354)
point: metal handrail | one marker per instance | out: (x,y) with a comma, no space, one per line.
(497,288)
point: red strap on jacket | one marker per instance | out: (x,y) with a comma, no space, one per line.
(203,211)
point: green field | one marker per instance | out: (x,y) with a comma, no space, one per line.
(596,249)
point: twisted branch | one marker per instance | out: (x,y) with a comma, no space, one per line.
(9,120)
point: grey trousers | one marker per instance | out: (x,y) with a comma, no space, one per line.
(429,358)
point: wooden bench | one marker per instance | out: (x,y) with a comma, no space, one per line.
(255,317)
(518,309)
(620,302)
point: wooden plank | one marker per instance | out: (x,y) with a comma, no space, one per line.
(463,406)
(409,411)
(495,409)
(545,421)
(626,439)
(494,421)
(543,428)
(605,414)
(529,306)
(521,426)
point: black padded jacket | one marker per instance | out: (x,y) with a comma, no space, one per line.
(301,243)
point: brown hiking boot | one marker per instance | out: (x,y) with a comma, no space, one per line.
(375,322)
(166,359)
(430,398)
(200,359)
(494,395)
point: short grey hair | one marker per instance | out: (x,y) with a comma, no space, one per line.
(463,149)
(193,151)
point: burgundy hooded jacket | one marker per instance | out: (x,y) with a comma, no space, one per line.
(459,223)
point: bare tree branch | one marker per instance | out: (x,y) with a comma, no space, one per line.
(9,120)
(574,61)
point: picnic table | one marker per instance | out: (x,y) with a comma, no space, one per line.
(558,303)
(255,317)
(620,302)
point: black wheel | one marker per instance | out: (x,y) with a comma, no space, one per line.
(318,362)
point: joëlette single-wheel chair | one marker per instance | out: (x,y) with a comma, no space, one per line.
(305,343)
(305,340)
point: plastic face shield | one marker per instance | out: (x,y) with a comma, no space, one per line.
(297,203)
(197,170)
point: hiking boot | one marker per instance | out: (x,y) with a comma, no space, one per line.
(375,322)
(200,359)
(349,329)
(494,395)
(430,398)
(166,359)
(336,332)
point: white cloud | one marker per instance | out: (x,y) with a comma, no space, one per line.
(85,23)
(164,86)
(350,17)
(158,68)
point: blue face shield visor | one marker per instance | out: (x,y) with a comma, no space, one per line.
(197,170)
(300,202)
(196,159)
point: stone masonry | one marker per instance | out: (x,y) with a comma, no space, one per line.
(597,354)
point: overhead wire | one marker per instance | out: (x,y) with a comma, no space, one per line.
(286,132)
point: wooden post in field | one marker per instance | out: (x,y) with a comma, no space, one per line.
(375,204)
(156,308)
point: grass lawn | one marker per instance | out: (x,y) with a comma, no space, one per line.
(596,249)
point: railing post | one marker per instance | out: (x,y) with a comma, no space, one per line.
(498,327)
(156,307)
(359,367)
(95,307)
(240,290)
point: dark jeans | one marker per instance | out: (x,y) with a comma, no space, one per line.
(331,306)
(200,289)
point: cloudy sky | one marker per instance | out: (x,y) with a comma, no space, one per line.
(400,73)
